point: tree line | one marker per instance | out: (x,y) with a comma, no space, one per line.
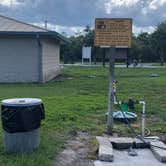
(145,47)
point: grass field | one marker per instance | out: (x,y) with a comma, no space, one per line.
(78,101)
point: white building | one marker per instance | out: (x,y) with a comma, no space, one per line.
(28,53)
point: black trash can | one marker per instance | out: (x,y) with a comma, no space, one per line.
(21,120)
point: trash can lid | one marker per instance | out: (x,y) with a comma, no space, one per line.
(21,102)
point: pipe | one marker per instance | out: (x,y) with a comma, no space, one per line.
(114,91)
(143,117)
(40,70)
(46,24)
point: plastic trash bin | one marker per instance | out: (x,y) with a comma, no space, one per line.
(21,120)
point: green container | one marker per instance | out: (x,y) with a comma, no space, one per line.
(124,107)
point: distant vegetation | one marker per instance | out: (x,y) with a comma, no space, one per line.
(145,46)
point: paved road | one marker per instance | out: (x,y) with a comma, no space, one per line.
(150,66)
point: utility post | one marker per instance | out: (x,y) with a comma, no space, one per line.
(94,55)
(104,52)
(127,59)
(112,33)
(46,22)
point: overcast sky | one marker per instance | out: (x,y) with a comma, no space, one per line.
(73,15)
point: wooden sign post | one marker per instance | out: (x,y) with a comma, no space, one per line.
(111,52)
(112,33)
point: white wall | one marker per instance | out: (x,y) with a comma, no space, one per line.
(18,60)
(51,59)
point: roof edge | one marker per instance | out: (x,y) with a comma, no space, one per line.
(49,33)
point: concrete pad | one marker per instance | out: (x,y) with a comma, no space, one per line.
(105,149)
(152,139)
(148,140)
(127,142)
(121,158)
(160,154)
(122,142)
(140,144)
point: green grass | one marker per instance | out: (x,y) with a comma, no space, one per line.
(78,101)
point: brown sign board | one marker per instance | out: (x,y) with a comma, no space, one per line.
(113,32)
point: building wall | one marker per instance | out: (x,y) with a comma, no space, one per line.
(18,60)
(50,59)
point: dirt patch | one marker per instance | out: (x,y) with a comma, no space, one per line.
(76,152)
(61,78)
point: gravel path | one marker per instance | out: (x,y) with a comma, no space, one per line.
(76,152)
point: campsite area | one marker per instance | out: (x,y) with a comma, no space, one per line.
(77,101)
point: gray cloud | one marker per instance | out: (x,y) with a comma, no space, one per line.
(78,13)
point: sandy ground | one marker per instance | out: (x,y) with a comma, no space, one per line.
(76,152)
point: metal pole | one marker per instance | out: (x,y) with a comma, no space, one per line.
(94,54)
(103,57)
(143,118)
(127,60)
(111,53)
(46,24)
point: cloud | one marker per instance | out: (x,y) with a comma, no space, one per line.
(10,3)
(137,30)
(110,4)
(70,15)
(15,4)
(69,30)
(72,30)
(155,4)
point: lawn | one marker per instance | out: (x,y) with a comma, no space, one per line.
(77,100)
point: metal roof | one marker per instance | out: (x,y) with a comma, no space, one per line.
(10,26)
